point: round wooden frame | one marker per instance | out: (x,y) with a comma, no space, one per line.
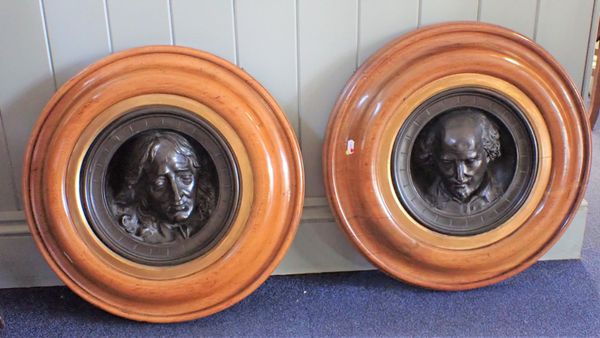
(383,93)
(271,175)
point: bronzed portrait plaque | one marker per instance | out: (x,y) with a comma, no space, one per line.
(163,184)
(464,161)
(160,186)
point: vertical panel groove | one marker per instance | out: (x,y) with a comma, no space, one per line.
(537,19)
(298,90)
(235,32)
(518,15)
(206,25)
(171,25)
(419,13)
(591,45)
(269,54)
(358,5)
(327,55)
(563,30)
(478,10)
(47,39)
(108,29)
(438,11)
(13,180)
(137,23)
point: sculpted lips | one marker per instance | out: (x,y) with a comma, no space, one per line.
(181,207)
(460,184)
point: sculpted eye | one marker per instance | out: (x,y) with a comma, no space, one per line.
(186,178)
(160,182)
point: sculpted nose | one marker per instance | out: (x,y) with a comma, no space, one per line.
(176,191)
(460,171)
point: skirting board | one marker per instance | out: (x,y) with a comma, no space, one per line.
(319,246)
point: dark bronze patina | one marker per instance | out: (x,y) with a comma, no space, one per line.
(159,200)
(160,186)
(464,161)
(459,148)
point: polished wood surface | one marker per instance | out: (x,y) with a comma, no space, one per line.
(385,90)
(259,135)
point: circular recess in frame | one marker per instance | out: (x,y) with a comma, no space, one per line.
(161,186)
(464,161)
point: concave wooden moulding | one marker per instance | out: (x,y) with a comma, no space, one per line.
(163,184)
(457,155)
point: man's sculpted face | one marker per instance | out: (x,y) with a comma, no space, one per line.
(171,184)
(461,160)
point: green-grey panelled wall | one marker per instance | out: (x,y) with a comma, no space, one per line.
(302,51)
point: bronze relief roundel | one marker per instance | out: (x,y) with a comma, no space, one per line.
(464,161)
(163,184)
(457,155)
(160,185)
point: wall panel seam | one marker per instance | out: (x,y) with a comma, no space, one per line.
(478,10)
(419,13)
(10,163)
(536,19)
(48,46)
(235,32)
(171,25)
(298,90)
(358,9)
(588,54)
(42,9)
(108,29)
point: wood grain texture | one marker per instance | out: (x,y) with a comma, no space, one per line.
(381,92)
(259,135)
